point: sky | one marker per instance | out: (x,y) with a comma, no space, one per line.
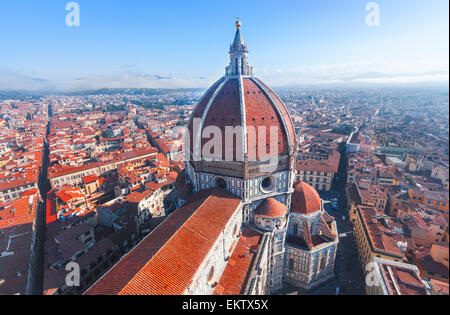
(184,43)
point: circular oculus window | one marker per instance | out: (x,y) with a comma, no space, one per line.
(221,183)
(268,184)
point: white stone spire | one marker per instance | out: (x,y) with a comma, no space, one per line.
(238,55)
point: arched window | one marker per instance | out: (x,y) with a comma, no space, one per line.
(221,183)
(259,221)
(295,228)
(211,274)
(323,262)
(291,264)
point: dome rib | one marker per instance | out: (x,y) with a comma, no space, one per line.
(198,139)
(243,116)
(243,101)
(288,125)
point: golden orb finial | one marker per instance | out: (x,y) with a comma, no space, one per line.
(238,22)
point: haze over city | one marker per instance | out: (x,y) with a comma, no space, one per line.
(178,44)
(257,151)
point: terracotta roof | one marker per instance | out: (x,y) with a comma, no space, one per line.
(305,199)
(16,228)
(17,183)
(271,208)
(261,108)
(138,196)
(328,166)
(402,280)
(380,237)
(90,178)
(167,259)
(61,171)
(236,274)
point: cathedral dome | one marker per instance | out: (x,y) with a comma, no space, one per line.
(271,208)
(239,99)
(305,199)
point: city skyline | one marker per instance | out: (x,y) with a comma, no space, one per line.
(178,45)
(238,189)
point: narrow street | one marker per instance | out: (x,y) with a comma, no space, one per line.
(44,187)
(348,274)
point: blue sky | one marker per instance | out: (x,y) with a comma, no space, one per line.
(184,43)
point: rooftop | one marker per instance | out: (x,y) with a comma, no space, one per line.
(236,275)
(16,231)
(401,279)
(183,239)
(382,238)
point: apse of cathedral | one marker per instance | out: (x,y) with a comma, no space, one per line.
(243,225)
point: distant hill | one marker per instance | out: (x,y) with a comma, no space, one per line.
(20,95)
(146,92)
(15,94)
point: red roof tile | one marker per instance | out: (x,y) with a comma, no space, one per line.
(90,178)
(305,199)
(262,108)
(235,276)
(271,208)
(181,242)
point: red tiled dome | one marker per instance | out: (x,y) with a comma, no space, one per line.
(271,208)
(305,199)
(250,103)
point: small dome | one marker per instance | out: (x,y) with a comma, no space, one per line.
(305,199)
(271,208)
